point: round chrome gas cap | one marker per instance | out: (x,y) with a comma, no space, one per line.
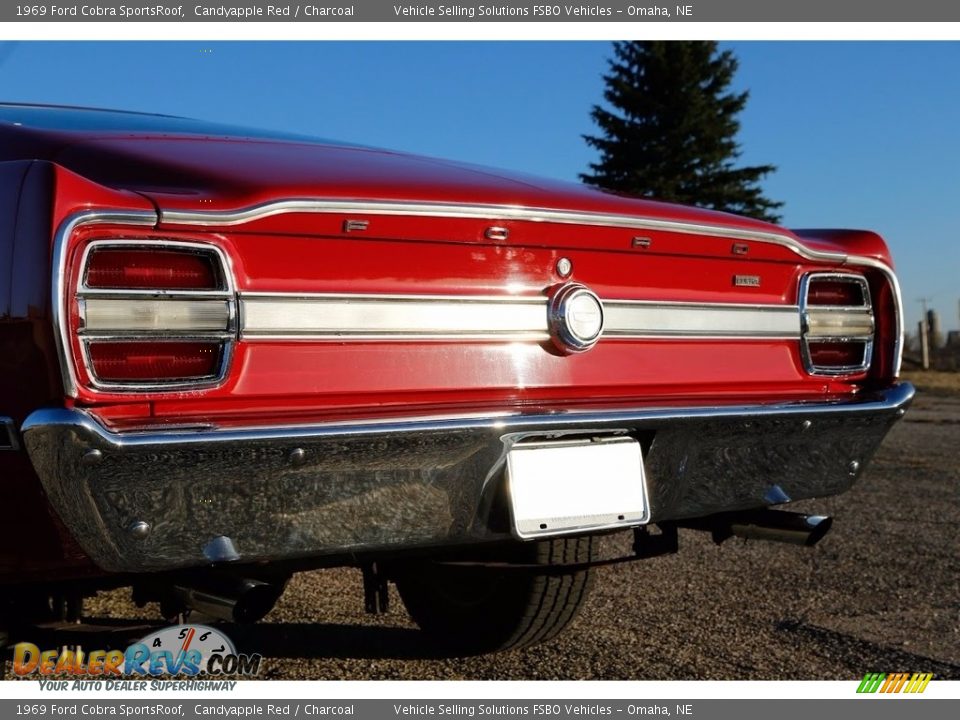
(576,318)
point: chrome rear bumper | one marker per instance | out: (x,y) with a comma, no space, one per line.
(150,501)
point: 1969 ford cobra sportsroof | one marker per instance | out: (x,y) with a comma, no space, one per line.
(228,356)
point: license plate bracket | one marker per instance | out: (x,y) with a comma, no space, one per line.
(574,486)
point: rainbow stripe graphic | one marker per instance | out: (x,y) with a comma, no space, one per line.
(894,682)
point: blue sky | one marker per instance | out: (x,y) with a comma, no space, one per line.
(865,134)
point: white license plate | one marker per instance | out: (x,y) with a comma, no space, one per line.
(558,488)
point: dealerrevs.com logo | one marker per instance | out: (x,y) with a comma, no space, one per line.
(181,650)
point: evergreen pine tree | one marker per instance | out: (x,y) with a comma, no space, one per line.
(670,132)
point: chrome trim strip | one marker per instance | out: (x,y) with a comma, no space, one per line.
(10,427)
(59,300)
(403,317)
(240,216)
(888,400)
(135,294)
(399,297)
(642,319)
(345,316)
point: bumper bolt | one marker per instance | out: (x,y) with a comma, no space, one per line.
(854,466)
(139,529)
(92,457)
(806,425)
(297,456)
(564,267)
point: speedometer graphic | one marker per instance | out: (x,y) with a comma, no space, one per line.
(198,642)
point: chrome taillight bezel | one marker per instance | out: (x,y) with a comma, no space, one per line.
(813,315)
(223,297)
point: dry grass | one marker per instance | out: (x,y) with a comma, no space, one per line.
(934,381)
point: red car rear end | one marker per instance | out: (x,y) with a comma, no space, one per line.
(276,354)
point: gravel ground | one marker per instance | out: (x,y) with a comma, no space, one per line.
(880,593)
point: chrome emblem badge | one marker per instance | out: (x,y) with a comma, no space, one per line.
(355,225)
(496,233)
(575,318)
(746,280)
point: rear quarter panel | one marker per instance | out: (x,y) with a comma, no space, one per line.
(32,541)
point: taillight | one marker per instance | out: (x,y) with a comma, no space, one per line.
(155,361)
(836,354)
(159,315)
(823,292)
(838,323)
(118,268)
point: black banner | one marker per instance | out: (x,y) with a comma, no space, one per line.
(492,11)
(499,709)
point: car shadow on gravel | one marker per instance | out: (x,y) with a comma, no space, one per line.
(329,640)
(860,652)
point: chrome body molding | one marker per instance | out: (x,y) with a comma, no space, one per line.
(348,316)
(386,317)
(387,486)
(642,319)
(361,317)
(239,216)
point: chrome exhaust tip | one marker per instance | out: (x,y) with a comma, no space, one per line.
(239,601)
(765,524)
(781,526)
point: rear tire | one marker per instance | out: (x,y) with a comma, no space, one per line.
(475,609)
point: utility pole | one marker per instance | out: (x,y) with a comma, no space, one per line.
(923,331)
(924,343)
